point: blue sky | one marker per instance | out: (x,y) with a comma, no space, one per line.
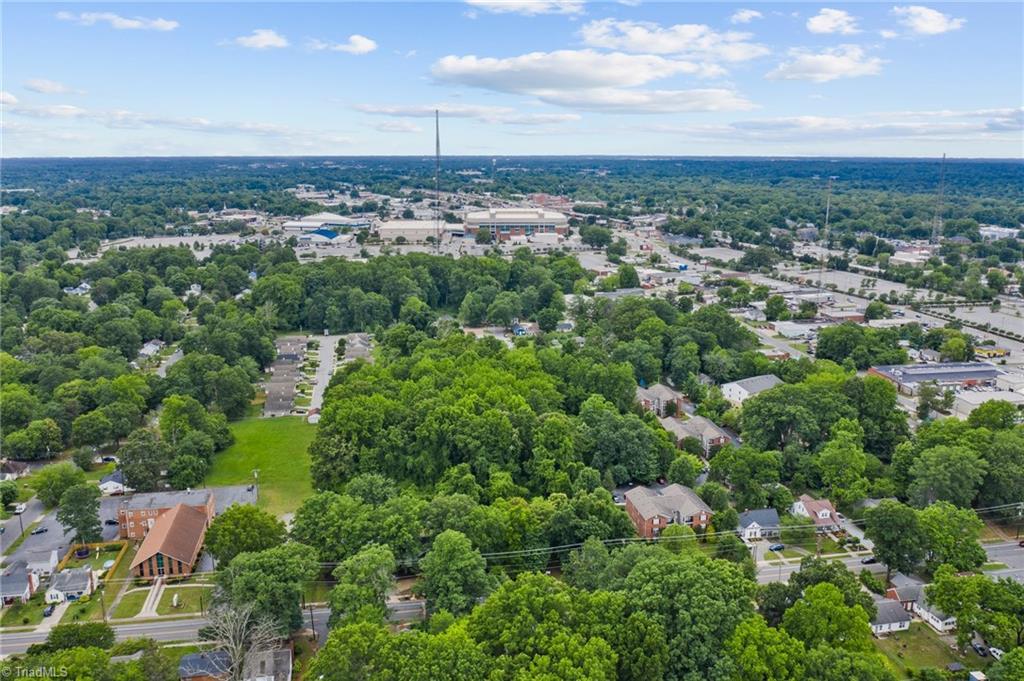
(513,77)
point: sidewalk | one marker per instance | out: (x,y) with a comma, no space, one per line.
(152,600)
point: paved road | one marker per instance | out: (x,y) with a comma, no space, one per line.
(13,525)
(325,370)
(171,360)
(188,629)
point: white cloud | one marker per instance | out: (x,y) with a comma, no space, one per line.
(953,125)
(119,22)
(745,16)
(262,39)
(356,44)
(832,21)
(619,100)
(529,7)
(49,87)
(487,114)
(693,41)
(927,21)
(844,61)
(887,34)
(398,126)
(7,99)
(563,69)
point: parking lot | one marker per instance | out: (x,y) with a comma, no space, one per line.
(284,375)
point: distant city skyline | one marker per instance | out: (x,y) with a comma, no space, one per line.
(515,77)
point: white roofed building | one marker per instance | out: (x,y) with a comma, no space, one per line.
(505,224)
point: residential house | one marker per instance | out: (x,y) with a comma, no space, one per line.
(820,511)
(759,523)
(113,484)
(661,399)
(652,510)
(738,392)
(70,585)
(152,348)
(910,594)
(890,617)
(703,429)
(42,562)
(754,314)
(12,470)
(270,665)
(929,355)
(17,584)
(171,548)
(139,512)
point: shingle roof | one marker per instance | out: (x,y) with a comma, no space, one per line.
(158,500)
(758,384)
(764,517)
(14,582)
(177,534)
(696,426)
(890,612)
(71,580)
(214,663)
(672,501)
(658,391)
(115,477)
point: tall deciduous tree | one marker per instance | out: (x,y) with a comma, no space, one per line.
(80,511)
(243,528)
(896,532)
(454,574)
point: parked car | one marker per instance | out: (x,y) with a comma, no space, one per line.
(48,610)
(980,649)
(870,560)
(19,509)
(997,653)
(1021,543)
(109,459)
(39,530)
(776,547)
(110,521)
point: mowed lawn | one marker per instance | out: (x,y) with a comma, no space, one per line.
(920,647)
(279,448)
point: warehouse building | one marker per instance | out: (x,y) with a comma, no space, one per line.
(507,223)
(908,378)
(412,231)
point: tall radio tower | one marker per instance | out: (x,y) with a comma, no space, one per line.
(937,220)
(437,179)
(824,239)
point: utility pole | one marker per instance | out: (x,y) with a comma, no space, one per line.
(312,622)
(103,605)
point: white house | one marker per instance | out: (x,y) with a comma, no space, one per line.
(739,391)
(936,619)
(890,617)
(113,484)
(820,511)
(759,523)
(70,585)
(152,348)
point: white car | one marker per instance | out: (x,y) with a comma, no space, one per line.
(19,509)
(996,653)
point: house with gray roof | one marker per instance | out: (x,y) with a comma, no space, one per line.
(697,427)
(17,584)
(268,665)
(739,391)
(890,617)
(759,523)
(652,510)
(41,562)
(70,585)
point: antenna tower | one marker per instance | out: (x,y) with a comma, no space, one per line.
(437,179)
(937,220)
(824,238)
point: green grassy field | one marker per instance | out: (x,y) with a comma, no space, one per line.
(920,647)
(188,600)
(131,603)
(278,447)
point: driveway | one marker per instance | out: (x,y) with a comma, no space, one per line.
(325,370)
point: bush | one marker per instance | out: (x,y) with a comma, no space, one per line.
(870,582)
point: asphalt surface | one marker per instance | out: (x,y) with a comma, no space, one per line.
(284,375)
(325,370)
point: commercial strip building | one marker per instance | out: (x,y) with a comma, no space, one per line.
(507,223)
(969,400)
(415,231)
(908,378)
(331,221)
